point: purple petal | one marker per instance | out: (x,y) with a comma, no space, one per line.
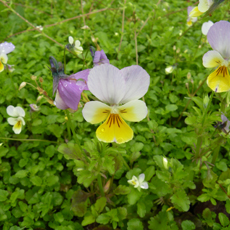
(100,58)
(189,9)
(70,92)
(59,102)
(80,75)
(218,37)
(6,47)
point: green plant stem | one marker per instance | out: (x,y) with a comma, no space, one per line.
(100,184)
(215,154)
(64,61)
(207,108)
(15,139)
(68,123)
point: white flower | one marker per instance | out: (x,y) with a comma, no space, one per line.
(139,182)
(165,162)
(76,46)
(39,27)
(5,48)
(169,69)
(206,26)
(16,119)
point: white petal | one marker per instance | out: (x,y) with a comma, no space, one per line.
(23,122)
(106,83)
(137,82)
(204,5)
(95,111)
(135,110)
(20,111)
(12,120)
(17,128)
(141,177)
(71,40)
(6,47)
(206,26)
(77,44)
(11,111)
(144,185)
(212,59)
(3,58)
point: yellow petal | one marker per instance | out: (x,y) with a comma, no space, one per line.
(195,12)
(219,80)
(18,127)
(1,67)
(114,129)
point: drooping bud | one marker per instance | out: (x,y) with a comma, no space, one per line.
(22,85)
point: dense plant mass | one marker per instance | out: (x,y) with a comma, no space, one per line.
(114,115)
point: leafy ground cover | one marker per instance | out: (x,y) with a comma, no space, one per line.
(56,174)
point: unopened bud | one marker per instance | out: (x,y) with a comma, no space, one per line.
(85,27)
(40,79)
(186,84)
(165,162)
(107,186)
(192,81)
(23,84)
(174,47)
(39,98)
(34,78)
(188,75)
(178,50)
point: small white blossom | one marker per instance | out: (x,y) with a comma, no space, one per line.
(39,27)
(16,119)
(139,182)
(76,46)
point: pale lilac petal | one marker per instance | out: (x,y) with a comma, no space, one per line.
(6,47)
(59,103)
(137,82)
(144,185)
(106,83)
(206,26)
(218,37)
(20,111)
(95,112)
(189,9)
(100,58)
(212,59)
(81,75)
(70,93)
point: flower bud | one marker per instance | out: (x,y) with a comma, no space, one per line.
(39,98)
(40,79)
(23,84)
(165,162)
(34,78)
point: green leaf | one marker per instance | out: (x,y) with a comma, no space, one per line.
(227,206)
(188,225)
(171,107)
(180,200)
(141,209)
(223,219)
(135,224)
(3,195)
(100,204)
(121,190)
(207,215)
(36,180)
(73,151)
(88,219)
(21,173)
(133,196)
(103,219)
(149,172)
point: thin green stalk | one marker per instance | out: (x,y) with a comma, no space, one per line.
(64,60)
(207,108)
(68,123)
(15,139)
(215,154)
(100,184)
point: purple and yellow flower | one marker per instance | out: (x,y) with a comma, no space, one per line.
(69,90)
(5,48)
(139,182)
(100,58)
(119,91)
(16,119)
(218,37)
(203,6)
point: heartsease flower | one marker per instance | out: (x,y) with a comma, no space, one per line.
(190,18)
(34,107)
(76,46)
(205,27)
(16,119)
(218,37)
(224,125)
(203,6)
(5,48)
(99,57)
(139,182)
(116,87)
(69,88)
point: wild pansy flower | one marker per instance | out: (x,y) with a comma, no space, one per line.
(218,37)
(16,119)
(224,125)
(203,6)
(116,87)
(205,27)
(139,182)
(190,19)
(34,107)
(69,88)
(5,48)
(99,57)
(76,46)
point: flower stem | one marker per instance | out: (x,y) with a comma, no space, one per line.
(64,61)
(215,154)
(15,139)
(100,184)
(68,123)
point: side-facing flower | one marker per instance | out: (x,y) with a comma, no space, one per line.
(16,119)
(139,182)
(99,57)
(205,27)
(116,87)
(69,88)
(218,37)
(34,108)
(190,18)
(224,125)
(5,48)
(76,46)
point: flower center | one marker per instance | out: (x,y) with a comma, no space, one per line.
(18,124)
